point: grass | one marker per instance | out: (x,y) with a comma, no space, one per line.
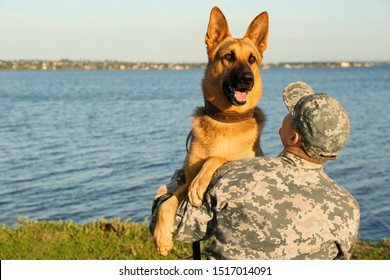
(111,240)
(365,250)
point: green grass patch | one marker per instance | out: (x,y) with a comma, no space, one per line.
(365,250)
(110,240)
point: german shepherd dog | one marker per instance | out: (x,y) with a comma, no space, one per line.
(228,127)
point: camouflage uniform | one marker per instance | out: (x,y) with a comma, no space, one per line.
(271,208)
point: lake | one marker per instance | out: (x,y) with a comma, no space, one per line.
(80,145)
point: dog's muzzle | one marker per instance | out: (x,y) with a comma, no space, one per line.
(237,91)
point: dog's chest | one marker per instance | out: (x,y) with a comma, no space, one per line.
(230,141)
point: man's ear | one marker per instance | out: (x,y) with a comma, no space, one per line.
(217,30)
(294,139)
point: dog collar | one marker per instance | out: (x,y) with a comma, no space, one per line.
(226,117)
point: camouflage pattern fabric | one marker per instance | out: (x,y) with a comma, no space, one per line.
(269,208)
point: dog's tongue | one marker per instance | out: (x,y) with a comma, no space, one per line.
(240,95)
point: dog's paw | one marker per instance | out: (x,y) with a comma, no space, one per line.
(163,237)
(164,244)
(194,199)
(196,192)
(163,240)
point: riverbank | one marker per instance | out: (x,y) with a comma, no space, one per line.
(111,240)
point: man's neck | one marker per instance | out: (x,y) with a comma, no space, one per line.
(301,153)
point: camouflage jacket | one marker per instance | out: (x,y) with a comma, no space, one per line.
(269,208)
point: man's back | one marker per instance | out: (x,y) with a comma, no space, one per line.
(275,208)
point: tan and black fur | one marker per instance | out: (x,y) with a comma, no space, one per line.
(228,127)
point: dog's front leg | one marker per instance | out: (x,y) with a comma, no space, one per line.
(163,232)
(200,183)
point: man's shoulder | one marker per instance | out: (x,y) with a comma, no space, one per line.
(249,171)
(249,164)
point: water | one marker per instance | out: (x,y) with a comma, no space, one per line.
(79,145)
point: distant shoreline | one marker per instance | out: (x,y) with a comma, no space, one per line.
(65,64)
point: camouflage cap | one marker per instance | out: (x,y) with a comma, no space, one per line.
(320,120)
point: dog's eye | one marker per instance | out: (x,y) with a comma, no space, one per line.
(229,57)
(252,59)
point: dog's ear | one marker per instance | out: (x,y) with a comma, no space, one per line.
(217,30)
(258,32)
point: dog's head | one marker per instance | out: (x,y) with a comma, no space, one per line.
(232,79)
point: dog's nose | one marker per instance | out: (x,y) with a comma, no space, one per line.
(246,79)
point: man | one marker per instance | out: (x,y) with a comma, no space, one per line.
(278,208)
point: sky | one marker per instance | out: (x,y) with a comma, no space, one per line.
(174,30)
